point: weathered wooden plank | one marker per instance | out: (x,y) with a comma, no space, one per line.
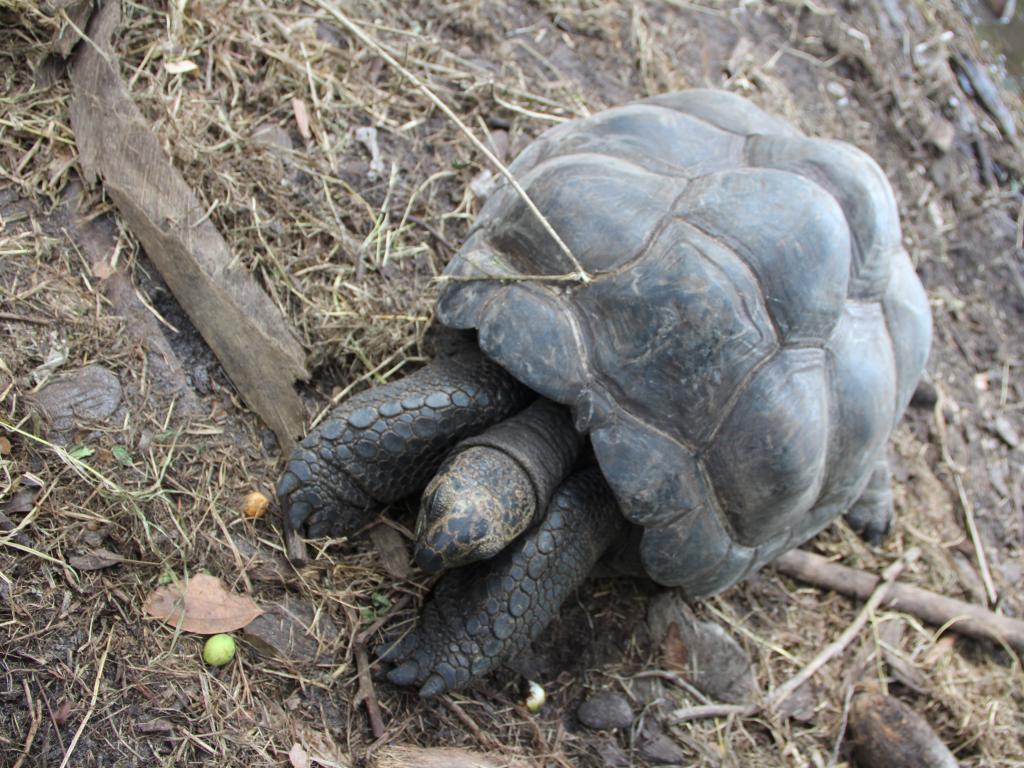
(246,331)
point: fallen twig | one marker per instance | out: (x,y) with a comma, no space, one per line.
(938,610)
(366,694)
(782,692)
(979,549)
(35,709)
(485,740)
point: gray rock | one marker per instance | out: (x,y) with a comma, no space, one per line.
(612,755)
(658,747)
(75,399)
(605,711)
(714,662)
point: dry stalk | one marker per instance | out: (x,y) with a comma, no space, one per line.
(92,702)
(833,649)
(579,275)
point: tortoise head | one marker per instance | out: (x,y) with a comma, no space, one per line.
(477,503)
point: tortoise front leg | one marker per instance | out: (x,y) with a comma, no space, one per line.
(484,614)
(386,443)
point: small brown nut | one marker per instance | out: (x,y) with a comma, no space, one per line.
(255,505)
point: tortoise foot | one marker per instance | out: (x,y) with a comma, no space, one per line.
(484,614)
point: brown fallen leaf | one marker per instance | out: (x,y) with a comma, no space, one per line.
(391,547)
(261,563)
(23,499)
(704,652)
(201,605)
(399,756)
(291,629)
(95,560)
(674,647)
(802,704)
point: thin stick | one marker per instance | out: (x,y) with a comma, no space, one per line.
(366,694)
(580,275)
(11,317)
(972,528)
(938,610)
(485,740)
(979,549)
(889,575)
(92,702)
(35,709)
(833,649)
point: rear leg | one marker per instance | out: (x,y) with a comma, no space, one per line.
(871,515)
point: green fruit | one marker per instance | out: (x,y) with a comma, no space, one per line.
(219,650)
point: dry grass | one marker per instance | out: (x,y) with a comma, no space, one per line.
(268,127)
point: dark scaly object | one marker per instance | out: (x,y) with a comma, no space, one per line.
(752,332)
(486,613)
(386,443)
(492,485)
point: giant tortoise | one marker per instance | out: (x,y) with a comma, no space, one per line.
(717,345)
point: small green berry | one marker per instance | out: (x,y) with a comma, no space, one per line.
(219,650)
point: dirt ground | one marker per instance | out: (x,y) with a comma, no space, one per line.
(138,475)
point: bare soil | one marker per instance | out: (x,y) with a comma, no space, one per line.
(264,129)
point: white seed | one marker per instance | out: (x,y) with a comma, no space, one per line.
(536,698)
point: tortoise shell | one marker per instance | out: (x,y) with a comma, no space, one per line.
(752,331)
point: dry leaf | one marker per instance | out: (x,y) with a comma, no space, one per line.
(201,605)
(292,629)
(180,67)
(255,505)
(886,733)
(802,704)
(302,118)
(23,499)
(674,648)
(401,756)
(95,560)
(297,756)
(5,446)
(391,547)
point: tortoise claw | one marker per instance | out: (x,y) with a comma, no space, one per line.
(435,684)
(406,674)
